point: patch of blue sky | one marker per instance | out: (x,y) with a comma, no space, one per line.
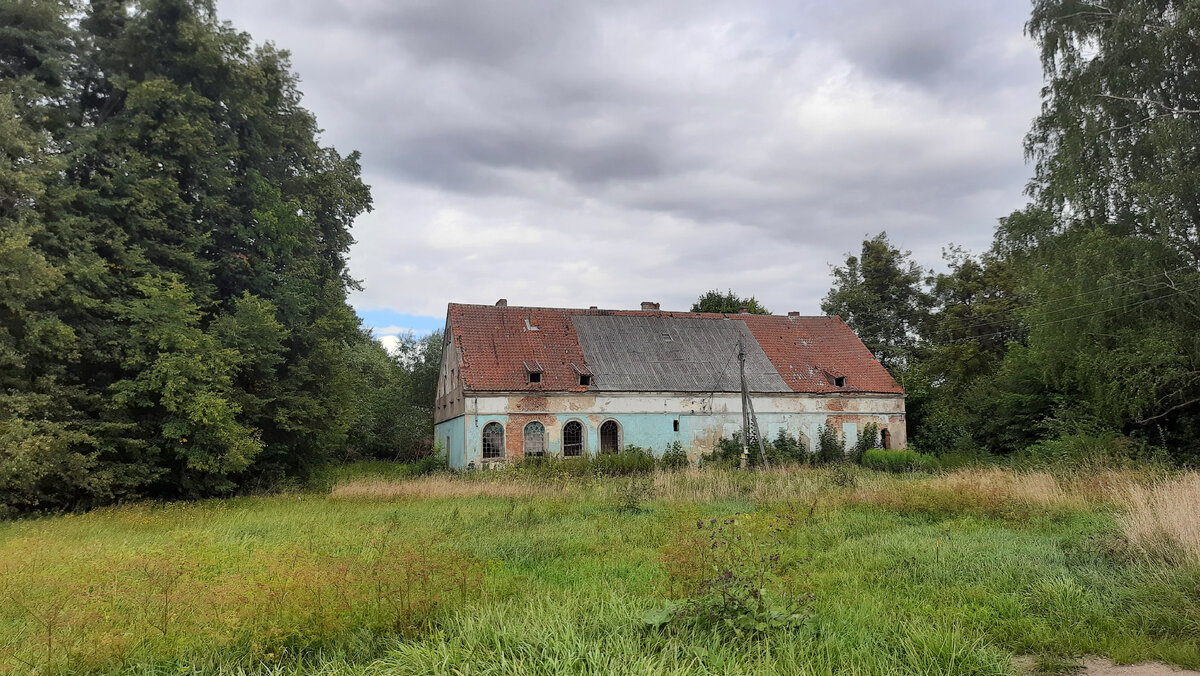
(389,322)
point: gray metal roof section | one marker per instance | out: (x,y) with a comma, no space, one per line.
(672,354)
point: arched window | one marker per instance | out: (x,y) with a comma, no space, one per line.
(610,437)
(885,438)
(493,441)
(535,439)
(572,439)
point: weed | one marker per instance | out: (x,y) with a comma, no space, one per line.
(841,476)
(633,494)
(735,577)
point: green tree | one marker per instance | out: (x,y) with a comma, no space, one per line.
(395,413)
(728,302)
(879,294)
(174,240)
(975,313)
(1113,270)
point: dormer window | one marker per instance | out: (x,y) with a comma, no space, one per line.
(534,371)
(840,381)
(585,376)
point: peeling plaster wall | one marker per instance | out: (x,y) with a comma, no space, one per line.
(648,419)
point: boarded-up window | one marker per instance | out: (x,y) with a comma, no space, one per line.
(572,439)
(493,441)
(610,437)
(535,439)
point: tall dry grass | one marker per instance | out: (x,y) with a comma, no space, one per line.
(1163,519)
(707,484)
(1160,514)
(445,486)
(690,485)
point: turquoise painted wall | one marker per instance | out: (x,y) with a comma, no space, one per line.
(450,433)
(649,430)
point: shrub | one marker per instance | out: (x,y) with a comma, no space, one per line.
(629,460)
(726,453)
(674,457)
(830,447)
(789,448)
(867,439)
(1103,448)
(899,461)
(554,468)
(434,462)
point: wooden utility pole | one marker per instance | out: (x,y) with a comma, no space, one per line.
(762,449)
(748,414)
(745,404)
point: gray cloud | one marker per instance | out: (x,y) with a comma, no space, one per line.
(585,153)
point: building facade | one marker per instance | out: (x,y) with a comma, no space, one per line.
(518,381)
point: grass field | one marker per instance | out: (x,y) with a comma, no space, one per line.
(502,572)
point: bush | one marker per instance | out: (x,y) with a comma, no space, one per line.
(788,448)
(1104,448)
(674,457)
(434,462)
(550,467)
(726,453)
(629,460)
(785,448)
(867,439)
(899,461)
(830,447)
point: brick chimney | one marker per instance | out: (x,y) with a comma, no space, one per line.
(649,305)
(743,310)
(503,302)
(793,313)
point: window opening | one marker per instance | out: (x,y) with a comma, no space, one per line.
(493,441)
(535,377)
(610,437)
(676,425)
(840,381)
(586,381)
(572,439)
(535,439)
(885,438)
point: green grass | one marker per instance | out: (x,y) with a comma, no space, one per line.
(558,583)
(899,460)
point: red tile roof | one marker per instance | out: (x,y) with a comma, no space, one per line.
(498,341)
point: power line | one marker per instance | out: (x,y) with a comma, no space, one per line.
(1080,295)
(1128,306)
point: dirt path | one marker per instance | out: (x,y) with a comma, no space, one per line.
(1099,666)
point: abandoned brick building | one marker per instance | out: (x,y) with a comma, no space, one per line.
(518,381)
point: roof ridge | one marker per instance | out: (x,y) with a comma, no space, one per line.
(688,313)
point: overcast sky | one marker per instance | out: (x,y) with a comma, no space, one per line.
(566,153)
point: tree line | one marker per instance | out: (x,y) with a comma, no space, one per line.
(173,284)
(1080,327)
(173,238)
